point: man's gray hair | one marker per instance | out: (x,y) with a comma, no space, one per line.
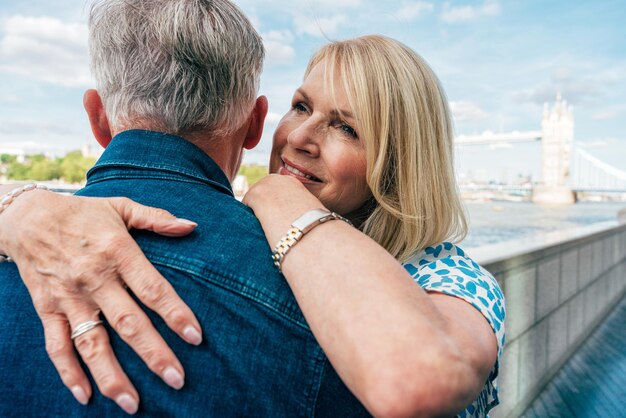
(177,66)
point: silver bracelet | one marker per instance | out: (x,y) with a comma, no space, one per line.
(8,198)
(298,228)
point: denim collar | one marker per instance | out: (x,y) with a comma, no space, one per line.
(150,150)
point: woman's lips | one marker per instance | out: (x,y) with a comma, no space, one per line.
(288,170)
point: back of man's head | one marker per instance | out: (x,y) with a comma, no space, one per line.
(176,66)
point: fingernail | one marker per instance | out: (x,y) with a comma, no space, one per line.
(186,222)
(172,377)
(192,335)
(80,395)
(127,403)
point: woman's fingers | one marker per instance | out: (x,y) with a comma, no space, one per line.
(95,350)
(135,328)
(60,349)
(157,293)
(160,221)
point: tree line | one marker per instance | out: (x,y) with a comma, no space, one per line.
(71,168)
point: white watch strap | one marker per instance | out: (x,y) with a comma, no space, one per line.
(299,227)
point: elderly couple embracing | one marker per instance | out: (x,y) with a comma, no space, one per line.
(333,289)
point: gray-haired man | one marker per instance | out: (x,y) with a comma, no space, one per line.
(176,105)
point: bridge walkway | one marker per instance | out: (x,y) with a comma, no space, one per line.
(592,383)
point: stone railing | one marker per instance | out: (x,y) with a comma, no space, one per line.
(558,288)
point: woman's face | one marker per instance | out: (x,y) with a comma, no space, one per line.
(318,143)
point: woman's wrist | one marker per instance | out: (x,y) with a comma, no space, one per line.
(6,201)
(300,227)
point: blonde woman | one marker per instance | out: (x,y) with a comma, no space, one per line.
(411,324)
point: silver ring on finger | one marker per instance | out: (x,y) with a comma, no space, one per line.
(84,327)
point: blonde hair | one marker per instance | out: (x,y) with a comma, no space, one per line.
(403,117)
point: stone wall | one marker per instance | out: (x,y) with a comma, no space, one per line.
(558,288)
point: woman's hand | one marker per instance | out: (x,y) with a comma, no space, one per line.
(277,201)
(75,256)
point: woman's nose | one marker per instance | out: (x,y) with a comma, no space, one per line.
(306,137)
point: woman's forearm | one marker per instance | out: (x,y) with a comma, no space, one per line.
(379,329)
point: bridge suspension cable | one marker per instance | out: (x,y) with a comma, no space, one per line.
(592,174)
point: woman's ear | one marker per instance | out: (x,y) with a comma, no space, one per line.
(255,129)
(97,117)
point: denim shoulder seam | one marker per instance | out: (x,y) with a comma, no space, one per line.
(151,166)
(121,176)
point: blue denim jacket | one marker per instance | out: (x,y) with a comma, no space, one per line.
(258,358)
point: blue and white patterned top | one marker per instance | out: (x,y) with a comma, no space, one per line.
(446,269)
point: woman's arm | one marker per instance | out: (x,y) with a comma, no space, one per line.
(401,350)
(75,255)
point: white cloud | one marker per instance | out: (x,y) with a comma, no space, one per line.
(45,49)
(42,128)
(278,47)
(452,14)
(9,98)
(273,118)
(466,111)
(320,27)
(575,91)
(603,115)
(412,10)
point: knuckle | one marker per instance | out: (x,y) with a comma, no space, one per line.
(113,242)
(177,319)
(56,346)
(109,384)
(129,325)
(161,213)
(156,359)
(121,200)
(154,292)
(90,346)
(43,302)
(78,279)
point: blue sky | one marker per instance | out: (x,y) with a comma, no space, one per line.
(499,62)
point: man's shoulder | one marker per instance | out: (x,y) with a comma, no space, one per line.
(227,249)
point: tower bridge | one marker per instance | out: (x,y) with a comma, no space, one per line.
(564,170)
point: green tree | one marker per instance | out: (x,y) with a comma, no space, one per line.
(35,158)
(74,167)
(18,171)
(45,169)
(7,158)
(253,173)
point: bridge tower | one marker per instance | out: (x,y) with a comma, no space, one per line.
(557,128)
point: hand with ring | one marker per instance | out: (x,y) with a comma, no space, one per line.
(83,328)
(71,288)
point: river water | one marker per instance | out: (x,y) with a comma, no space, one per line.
(494,222)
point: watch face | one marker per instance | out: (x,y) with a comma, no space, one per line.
(310,219)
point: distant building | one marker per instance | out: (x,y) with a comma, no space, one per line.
(18,152)
(557,129)
(92,149)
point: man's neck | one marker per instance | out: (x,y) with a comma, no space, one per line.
(225,150)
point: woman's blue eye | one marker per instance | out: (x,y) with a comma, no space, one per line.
(349,130)
(300,107)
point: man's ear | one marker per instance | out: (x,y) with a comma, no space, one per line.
(255,129)
(97,117)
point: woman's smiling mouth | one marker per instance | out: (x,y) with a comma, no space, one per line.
(288,169)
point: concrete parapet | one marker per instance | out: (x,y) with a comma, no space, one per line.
(558,288)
